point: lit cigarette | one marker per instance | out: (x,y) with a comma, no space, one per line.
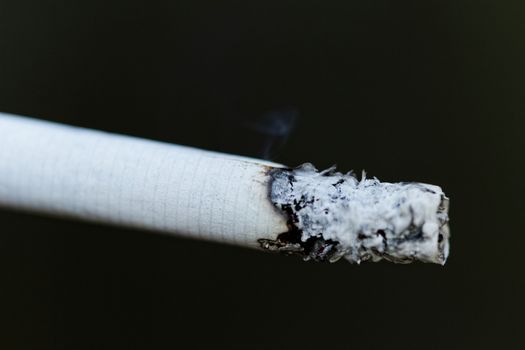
(127,181)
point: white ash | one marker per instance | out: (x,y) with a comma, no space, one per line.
(333,215)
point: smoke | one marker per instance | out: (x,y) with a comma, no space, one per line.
(260,135)
(273,128)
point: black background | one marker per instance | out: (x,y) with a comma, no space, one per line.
(430,91)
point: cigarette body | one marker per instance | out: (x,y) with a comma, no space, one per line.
(127,181)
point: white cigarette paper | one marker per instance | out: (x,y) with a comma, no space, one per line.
(127,181)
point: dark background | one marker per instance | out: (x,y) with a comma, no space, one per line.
(430,91)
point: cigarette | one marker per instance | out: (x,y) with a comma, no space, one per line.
(127,181)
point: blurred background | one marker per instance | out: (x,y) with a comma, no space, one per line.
(429,91)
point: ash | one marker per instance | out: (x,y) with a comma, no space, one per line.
(333,215)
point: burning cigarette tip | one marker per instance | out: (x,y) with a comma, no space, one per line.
(331,215)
